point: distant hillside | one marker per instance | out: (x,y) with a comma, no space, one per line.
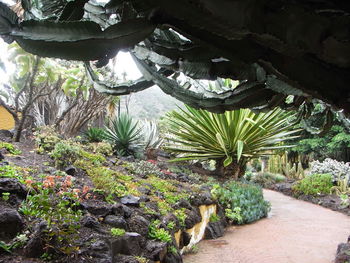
(151,103)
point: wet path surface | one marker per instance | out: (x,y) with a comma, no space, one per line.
(295,232)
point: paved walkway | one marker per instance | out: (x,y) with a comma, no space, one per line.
(294,232)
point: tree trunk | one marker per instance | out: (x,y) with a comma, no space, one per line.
(19,128)
(233,171)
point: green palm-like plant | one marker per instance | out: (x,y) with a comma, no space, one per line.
(124,133)
(232,138)
(94,134)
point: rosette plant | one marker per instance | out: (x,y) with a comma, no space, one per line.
(231,138)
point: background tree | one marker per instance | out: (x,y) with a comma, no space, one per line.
(51,92)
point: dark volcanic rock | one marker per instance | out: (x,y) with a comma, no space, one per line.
(139,225)
(6,135)
(71,170)
(2,157)
(343,253)
(125,259)
(204,198)
(99,209)
(13,186)
(100,249)
(11,223)
(122,210)
(155,250)
(90,222)
(115,221)
(214,230)
(130,200)
(193,218)
(128,244)
(144,190)
(185,239)
(173,258)
(36,244)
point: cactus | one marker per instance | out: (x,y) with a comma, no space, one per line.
(281,165)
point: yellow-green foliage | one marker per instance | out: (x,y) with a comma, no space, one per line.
(342,187)
(110,181)
(279,164)
(68,152)
(314,184)
(103,148)
(117,232)
(46,138)
(10,148)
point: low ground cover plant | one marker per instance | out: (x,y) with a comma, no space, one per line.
(10,148)
(267,179)
(245,202)
(314,184)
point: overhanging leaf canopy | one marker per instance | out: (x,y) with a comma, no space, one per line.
(274,48)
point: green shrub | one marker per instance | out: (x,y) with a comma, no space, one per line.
(65,154)
(103,148)
(10,148)
(61,212)
(249,198)
(10,171)
(46,137)
(117,232)
(94,134)
(158,233)
(314,184)
(214,218)
(267,179)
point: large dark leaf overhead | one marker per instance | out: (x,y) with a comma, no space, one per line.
(274,48)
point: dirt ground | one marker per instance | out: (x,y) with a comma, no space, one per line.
(295,232)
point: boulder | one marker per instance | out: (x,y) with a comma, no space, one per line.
(90,222)
(35,246)
(98,209)
(115,221)
(128,244)
(343,253)
(125,259)
(71,170)
(130,200)
(100,249)
(2,157)
(185,239)
(214,230)
(122,210)
(193,217)
(139,225)
(173,258)
(155,250)
(13,186)
(11,223)
(6,135)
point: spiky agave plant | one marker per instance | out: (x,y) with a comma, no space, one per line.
(231,138)
(125,134)
(94,134)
